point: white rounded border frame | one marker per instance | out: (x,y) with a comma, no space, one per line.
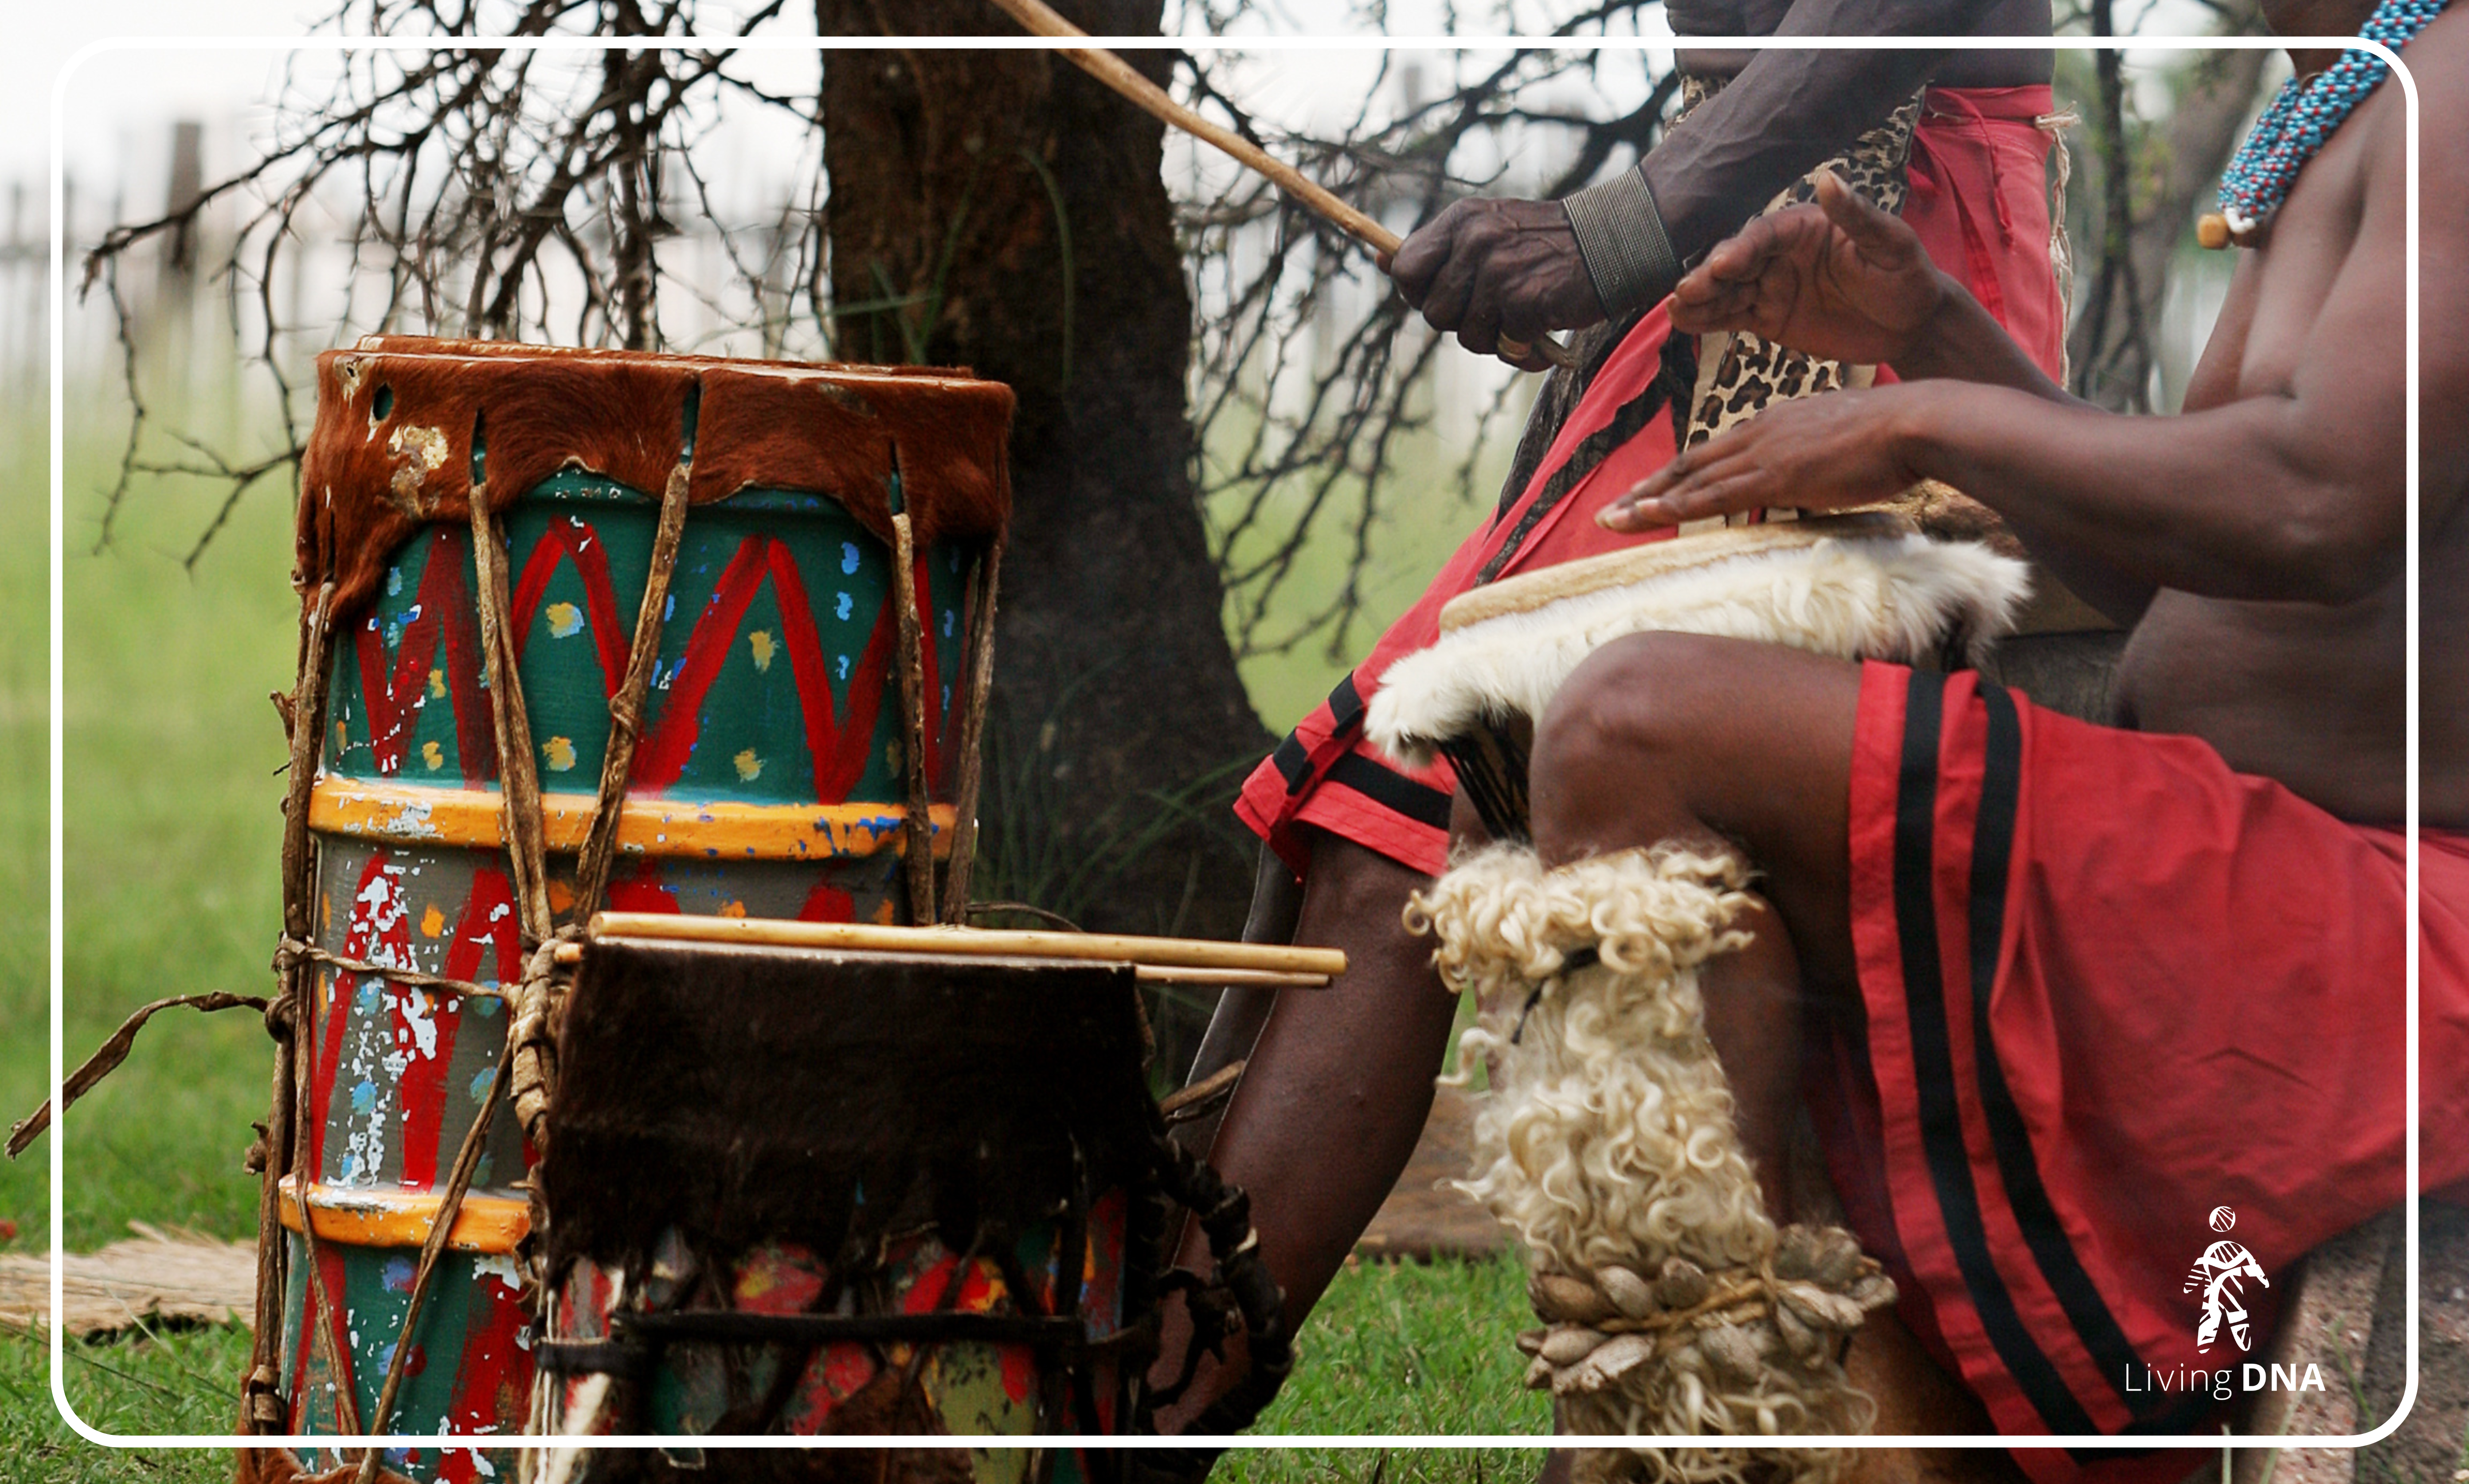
(58,536)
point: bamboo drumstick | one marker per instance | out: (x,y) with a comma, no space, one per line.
(1260,978)
(983,942)
(1039,20)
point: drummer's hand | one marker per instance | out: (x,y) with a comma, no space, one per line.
(1491,270)
(1840,279)
(1814,453)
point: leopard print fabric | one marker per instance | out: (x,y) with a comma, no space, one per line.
(1739,375)
(1706,387)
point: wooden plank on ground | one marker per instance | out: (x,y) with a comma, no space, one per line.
(154,1275)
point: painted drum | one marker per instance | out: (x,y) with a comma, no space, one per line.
(769,780)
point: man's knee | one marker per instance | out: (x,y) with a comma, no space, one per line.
(1634,713)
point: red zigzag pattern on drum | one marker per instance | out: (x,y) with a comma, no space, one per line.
(393,694)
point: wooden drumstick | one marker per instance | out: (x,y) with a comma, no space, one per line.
(1039,19)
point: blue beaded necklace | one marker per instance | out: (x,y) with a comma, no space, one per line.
(2306,111)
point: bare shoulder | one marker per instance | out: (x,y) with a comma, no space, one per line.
(2437,62)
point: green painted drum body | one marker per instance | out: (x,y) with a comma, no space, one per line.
(770,779)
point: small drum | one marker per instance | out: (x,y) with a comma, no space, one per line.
(770,778)
(1863,585)
(815,1180)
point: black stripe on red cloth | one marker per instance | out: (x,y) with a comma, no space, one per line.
(1293,759)
(1391,790)
(1628,421)
(1992,846)
(1934,1071)
(1346,703)
(1293,763)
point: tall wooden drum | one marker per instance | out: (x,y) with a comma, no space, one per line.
(774,774)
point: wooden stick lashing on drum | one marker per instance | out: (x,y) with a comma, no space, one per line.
(518,767)
(1039,20)
(626,707)
(319,1307)
(973,734)
(918,828)
(308,719)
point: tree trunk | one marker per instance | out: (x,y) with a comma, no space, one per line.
(2110,343)
(1001,211)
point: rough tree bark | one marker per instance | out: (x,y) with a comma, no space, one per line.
(999,210)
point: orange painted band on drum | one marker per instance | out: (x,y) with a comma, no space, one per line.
(408,814)
(488,1224)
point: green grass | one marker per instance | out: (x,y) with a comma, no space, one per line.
(1413,1348)
(170,843)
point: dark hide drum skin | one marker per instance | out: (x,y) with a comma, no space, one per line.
(396,414)
(743,1094)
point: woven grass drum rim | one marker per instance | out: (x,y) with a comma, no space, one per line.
(1531,591)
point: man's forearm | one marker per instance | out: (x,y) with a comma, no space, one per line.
(1787,112)
(1964,342)
(2227,503)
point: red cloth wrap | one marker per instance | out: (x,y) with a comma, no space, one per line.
(1980,203)
(2110,987)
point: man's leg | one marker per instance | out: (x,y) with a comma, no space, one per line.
(1340,1079)
(1741,747)
(1747,748)
(1339,1084)
(1242,1010)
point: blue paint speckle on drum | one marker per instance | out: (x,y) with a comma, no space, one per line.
(848,557)
(398,1277)
(480,1083)
(841,612)
(364,1097)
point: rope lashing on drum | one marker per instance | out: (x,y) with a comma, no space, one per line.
(290,950)
(1224,1211)
(113,1051)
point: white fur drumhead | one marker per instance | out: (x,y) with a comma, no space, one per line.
(1898,597)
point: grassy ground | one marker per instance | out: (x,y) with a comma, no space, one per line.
(172,835)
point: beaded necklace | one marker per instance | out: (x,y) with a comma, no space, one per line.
(2303,115)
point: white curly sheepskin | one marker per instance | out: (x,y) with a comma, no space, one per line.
(1607,1138)
(1892,597)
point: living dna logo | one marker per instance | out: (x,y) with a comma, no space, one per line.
(2220,1275)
